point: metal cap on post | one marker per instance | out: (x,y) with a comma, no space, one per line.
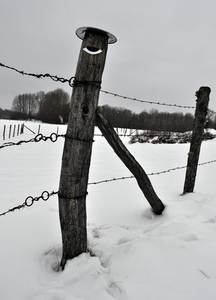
(81,31)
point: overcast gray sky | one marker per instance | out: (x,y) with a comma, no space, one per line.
(166,49)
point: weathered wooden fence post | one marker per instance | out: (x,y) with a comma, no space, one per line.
(79,138)
(39,126)
(18,129)
(9,134)
(197,136)
(22,129)
(14,130)
(4,131)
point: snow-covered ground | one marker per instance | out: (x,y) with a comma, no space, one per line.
(138,256)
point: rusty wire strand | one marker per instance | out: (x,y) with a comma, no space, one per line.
(74,82)
(146,101)
(149,174)
(46,195)
(41,75)
(53,137)
(29,201)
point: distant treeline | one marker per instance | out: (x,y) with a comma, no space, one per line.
(51,107)
(54,107)
(153,120)
(13,115)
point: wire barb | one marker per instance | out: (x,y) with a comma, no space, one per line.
(149,174)
(41,75)
(29,201)
(53,137)
(72,81)
(146,101)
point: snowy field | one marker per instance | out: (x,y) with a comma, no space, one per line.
(138,256)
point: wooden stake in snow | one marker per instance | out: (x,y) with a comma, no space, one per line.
(79,138)
(18,129)
(10,128)
(4,131)
(14,130)
(197,136)
(131,163)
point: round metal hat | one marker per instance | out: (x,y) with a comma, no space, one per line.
(80,32)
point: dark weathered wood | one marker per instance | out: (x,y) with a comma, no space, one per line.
(22,129)
(39,126)
(18,129)
(9,134)
(130,162)
(4,131)
(197,136)
(14,130)
(77,153)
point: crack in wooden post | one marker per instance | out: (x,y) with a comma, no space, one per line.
(130,162)
(77,154)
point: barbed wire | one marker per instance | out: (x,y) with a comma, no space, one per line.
(146,101)
(72,81)
(53,137)
(41,75)
(29,201)
(121,134)
(149,174)
(139,135)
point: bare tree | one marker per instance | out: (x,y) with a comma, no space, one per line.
(54,107)
(27,104)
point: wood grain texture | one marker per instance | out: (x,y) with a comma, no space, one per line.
(77,154)
(196,139)
(130,162)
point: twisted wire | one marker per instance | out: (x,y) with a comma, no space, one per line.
(53,137)
(29,201)
(146,101)
(41,75)
(72,81)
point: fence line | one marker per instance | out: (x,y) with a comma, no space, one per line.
(146,101)
(45,195)
(72,81)
(13,130)
(29,129)
(45,75)
(54,136)
(29,202)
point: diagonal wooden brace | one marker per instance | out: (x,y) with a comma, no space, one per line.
(130,162)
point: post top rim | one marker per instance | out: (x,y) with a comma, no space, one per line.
(80,32)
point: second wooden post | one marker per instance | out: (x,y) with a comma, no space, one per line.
(197,136)
(78,143)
